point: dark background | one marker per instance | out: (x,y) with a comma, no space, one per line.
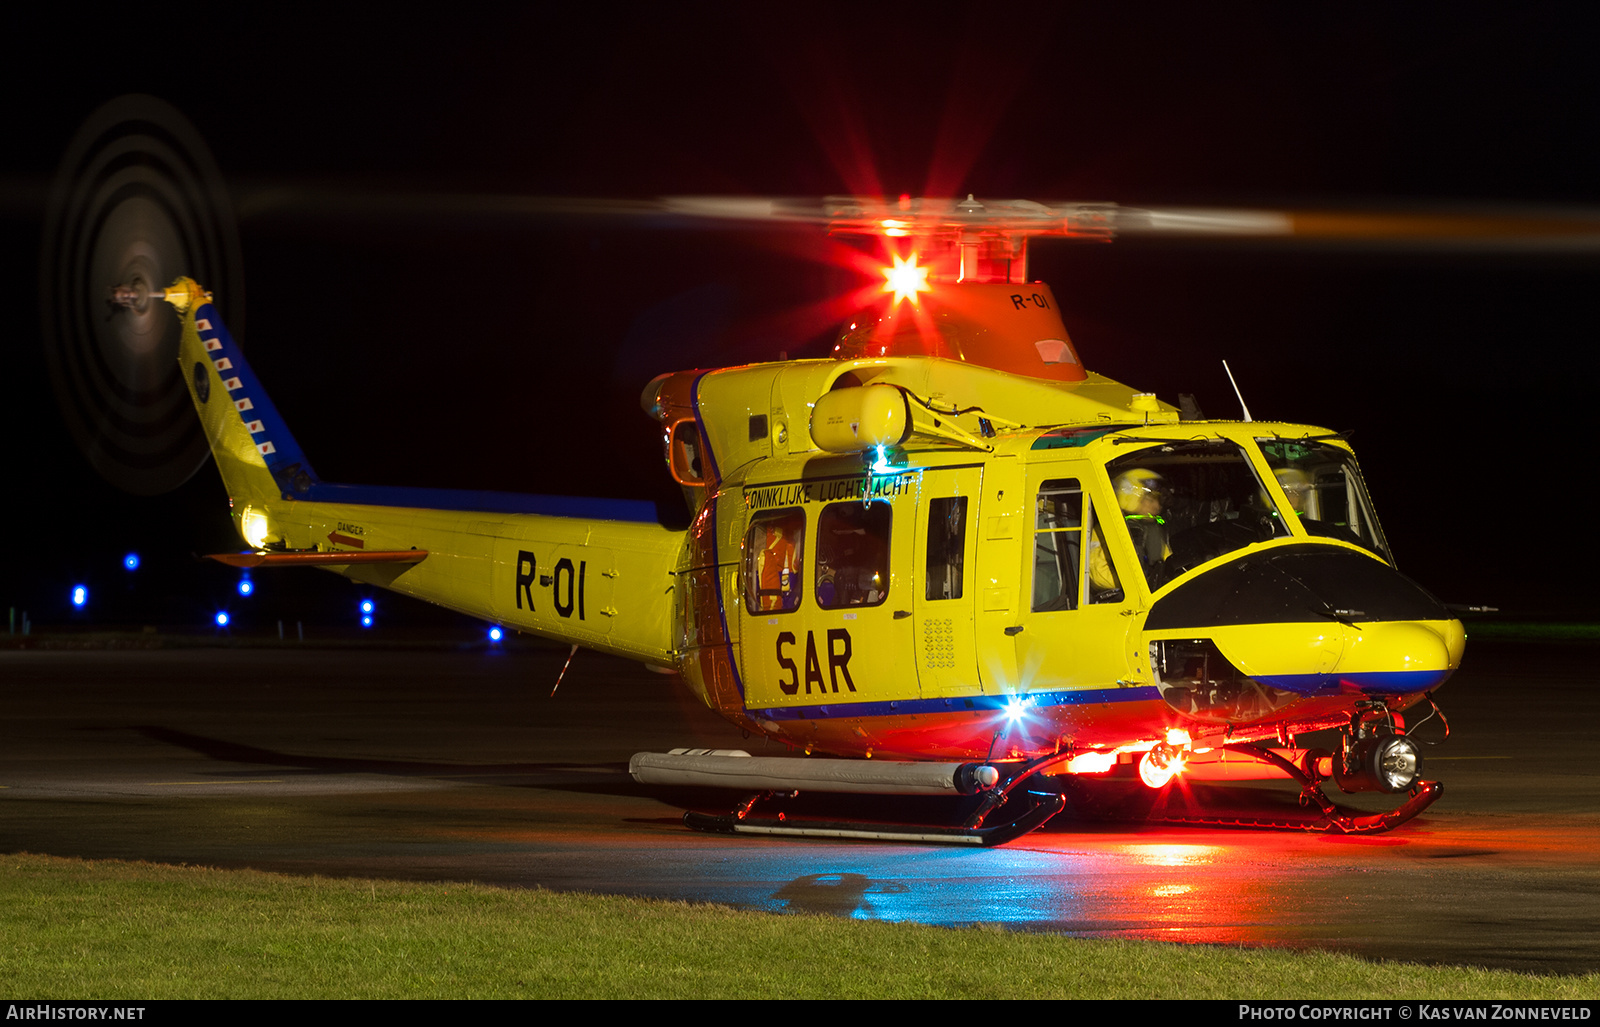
(480,354)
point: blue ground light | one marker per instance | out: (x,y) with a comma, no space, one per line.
(80,596)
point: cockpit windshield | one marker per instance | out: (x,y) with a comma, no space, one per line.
(1185,503)
(1325,491)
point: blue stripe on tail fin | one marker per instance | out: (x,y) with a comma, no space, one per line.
(289,466)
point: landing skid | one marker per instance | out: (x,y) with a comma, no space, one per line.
(1423,794)
(1041,807)
(1326,818)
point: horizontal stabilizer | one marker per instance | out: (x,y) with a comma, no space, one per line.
(314,558)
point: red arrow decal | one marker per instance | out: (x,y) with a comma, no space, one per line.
(345,540)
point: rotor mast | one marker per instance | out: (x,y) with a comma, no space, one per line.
(969,241)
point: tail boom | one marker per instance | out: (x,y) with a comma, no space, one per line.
(605,585)
(596,573)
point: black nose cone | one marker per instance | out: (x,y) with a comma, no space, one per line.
(1308,582)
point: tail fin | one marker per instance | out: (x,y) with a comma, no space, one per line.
(258,457)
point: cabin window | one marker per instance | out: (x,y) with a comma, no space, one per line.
(853,554)
(1325,492)
(684,450)
(1057,544)
(947,546)
(773,549)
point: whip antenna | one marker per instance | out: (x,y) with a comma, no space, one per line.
(1236,392)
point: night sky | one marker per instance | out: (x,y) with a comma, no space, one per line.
(474,353)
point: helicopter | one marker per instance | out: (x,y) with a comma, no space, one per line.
(946,559)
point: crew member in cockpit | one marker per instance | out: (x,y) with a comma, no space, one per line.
(1296,485)
(1141,494)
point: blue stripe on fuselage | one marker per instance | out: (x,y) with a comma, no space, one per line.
(992,703)
(1378,682)
(714,483)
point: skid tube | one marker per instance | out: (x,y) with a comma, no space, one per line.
(1041,807)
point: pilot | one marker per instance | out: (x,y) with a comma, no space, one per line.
(1296,485)
(1141,493)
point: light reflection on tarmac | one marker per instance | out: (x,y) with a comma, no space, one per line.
(435,764)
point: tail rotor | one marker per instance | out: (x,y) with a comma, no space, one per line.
(136,203)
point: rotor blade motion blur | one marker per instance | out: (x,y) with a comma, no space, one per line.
(1481,227)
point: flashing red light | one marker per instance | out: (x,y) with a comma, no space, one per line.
(906,280)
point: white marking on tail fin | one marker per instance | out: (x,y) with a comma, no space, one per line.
(224,364)
(202,324)
(244,404)
(254,427)
(266,447)
(232,383)
(213,344)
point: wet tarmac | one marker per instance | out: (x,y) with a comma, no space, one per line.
(437,764)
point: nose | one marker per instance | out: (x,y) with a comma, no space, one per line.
(1305,619)
(1373,658)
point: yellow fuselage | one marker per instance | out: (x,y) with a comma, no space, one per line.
(980,588)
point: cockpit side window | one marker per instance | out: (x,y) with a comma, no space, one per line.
(773,550)
(1104,585)
(1325,492)
(853,554)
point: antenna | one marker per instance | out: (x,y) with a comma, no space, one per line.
(1236,392)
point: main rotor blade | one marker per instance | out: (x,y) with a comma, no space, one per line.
(1469,227)
(1533,229)
(257,203)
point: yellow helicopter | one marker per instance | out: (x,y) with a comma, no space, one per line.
(947,559)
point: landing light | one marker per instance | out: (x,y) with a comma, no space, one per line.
(246,586)
(495,634)
(80,595)
(1161,764)
(1381,763)
(1397,763)
(254,527)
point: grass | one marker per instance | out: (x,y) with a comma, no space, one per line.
(70,928)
